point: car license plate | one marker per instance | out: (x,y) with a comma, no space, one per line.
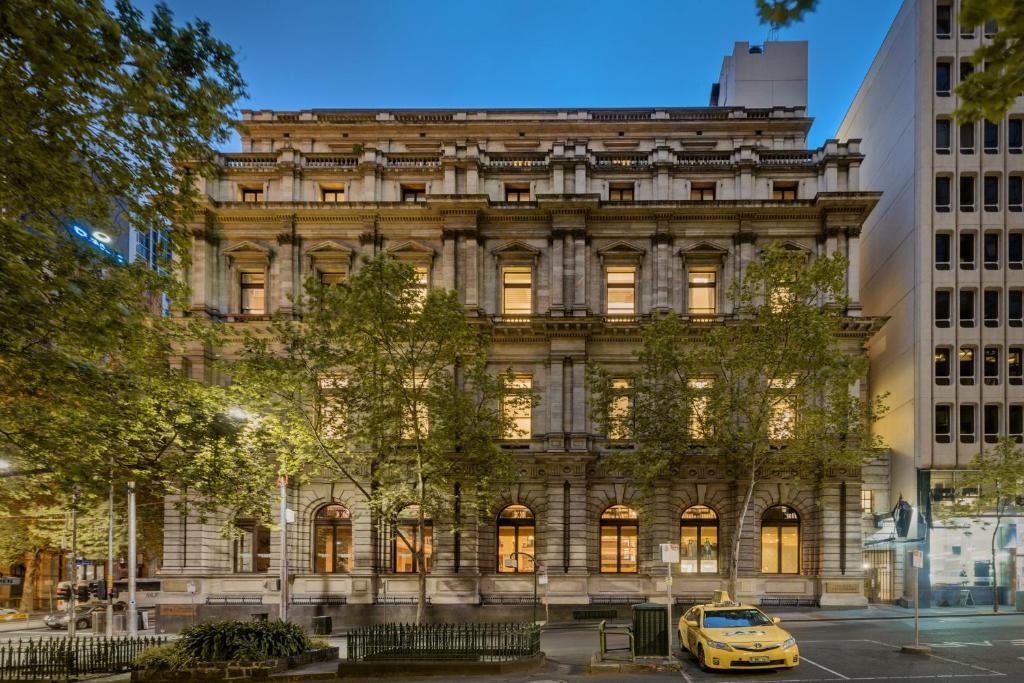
(758,660)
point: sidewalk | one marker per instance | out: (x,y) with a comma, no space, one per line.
(34,621)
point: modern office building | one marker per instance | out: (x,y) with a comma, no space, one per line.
(566,230)
(942,257)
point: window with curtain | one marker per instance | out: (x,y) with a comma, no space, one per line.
(332,540)
(621,290)
(251,552)
(780,541)
(407,538)
(518,407)
(516,290)
(254,293)
(619,411)
(516,534)
(702,290)
(620,533)
(698,541)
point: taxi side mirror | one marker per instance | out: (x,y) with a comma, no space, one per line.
(776,620)
(690,622)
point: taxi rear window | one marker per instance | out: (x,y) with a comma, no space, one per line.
(735,617)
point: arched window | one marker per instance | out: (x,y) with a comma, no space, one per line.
(620,530)
(698,541)
(251,552)
(332,540)
(407,541)
(780,540)
(516,534)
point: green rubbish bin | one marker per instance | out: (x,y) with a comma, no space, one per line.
(650,629)
(322,626)
(1020,601)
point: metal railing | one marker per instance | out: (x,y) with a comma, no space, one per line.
(466,642)
(68,658)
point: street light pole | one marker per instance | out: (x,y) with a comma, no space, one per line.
(133,624)
(282,482)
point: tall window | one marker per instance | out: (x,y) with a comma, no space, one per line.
(517,193)
(1015,135)
(702,192)
(780,541)
(966,193)
(516,534)
(966,308)
(1015,422)
(967,371)
(967,255)
(990,306)
(421,284)
(1015,193)
(518,407)
(621,290)
(990,250)
(332,540)
(516,290)
(702,291)
(867,501)
(991,133)
(990,365)
(942,136)
(698,541)
(942,251)
(966,69)
(620,192)
(251,547)
(407,540)
(943,308)
(942,194)
(699,404)
(415,416)
(782,417)
(991,193)
(784,191)
(942,365)
(943,425)
(619,410)
(991,418)
(252,194)
(943,21)
(967,422)
(1015,365)
(620,532)
(967,138)
(1015,308)
(254,288)
(332,195)
(942,78)
(1015,250)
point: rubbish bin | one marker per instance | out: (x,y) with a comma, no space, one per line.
(1020,601)
(99,621)
(650,630)
(322,626)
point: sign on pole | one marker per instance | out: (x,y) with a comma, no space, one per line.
(670,552)
(917,559)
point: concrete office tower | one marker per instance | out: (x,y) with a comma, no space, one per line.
(769,75)
(605,217)
(942,256)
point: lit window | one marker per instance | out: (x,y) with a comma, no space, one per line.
(415,417)
(517,405)
(782,419)
(780,541)
(1015,365)
(252,194)
(332,540)
(254,300)
(517,290)
(331,279)
(942,365)
(966,365)
(943,423)
(516,540)
(332,195)
(702,292)
(699,405)
(784,191)
(620,192)
(780,298)
(619,410)
(702,192)
(990,365)
(517,193)
(867,500)
(408,544)
(421,285)
(621,290)
(414,193)
(698,541)
(251,547)
(620,532)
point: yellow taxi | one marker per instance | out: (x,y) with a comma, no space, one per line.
(8,614)
(728,635)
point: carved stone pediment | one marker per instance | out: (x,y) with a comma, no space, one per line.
(249,253)
(621,251)
(516,251)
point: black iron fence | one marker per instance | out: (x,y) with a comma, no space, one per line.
(65,658)
(466,642)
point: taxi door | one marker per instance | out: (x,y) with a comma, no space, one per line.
(693,615)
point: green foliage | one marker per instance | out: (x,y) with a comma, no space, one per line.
(768,391)
(782,13)
(233,641)
(381,377)
(998,78)
(169,656)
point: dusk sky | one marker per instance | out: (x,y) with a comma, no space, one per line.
(308,54)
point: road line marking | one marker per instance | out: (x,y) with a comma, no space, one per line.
(947,659)
(685,675)
(825,668)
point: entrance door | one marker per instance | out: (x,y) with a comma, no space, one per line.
(879,567)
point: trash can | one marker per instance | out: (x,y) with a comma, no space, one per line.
(99,621)
(1020,601)
(650,630)
(322,626)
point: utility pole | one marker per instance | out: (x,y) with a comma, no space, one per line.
(282,482)
(109,576)
(73,574)
(133,624)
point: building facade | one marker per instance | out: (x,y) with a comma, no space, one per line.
(942,258)
(565,230)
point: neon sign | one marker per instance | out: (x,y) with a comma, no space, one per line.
(97,240)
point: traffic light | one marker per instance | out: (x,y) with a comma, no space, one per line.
(64,591)
(83,593)
(98,589)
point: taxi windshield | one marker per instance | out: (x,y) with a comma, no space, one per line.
(727,618)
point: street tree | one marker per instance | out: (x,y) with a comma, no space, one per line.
(991,490)
(987,93)
(99,107)
(386,384)
(772,389)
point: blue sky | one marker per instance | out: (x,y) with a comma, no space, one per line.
(307,54)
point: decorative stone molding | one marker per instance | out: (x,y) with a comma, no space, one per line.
(330,257)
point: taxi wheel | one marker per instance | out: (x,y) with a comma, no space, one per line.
(702,659)
(82,623)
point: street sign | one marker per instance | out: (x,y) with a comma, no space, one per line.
(10,580)
(191,587)
(670,552)
(917,558)
(542,579)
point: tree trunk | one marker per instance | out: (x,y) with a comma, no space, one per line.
(28,585)
(995,569)
(734,569)
(420,554)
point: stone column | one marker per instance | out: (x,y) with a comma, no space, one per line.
(660,242)
(449,179)
(579,403)
(198,272)
(557,179)
(579,273)
(557,276)
(853,269)
(556,389)
(581,178)
(448,241)
(472,261)
(472,179)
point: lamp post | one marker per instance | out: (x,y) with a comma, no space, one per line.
(512,562)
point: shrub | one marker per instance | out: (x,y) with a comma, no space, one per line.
(223,641)
(167,656)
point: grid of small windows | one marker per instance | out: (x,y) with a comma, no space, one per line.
(996,420)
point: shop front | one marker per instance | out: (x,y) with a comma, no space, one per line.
(962,568)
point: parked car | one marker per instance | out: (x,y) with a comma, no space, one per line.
(8,614)
(83,616)
(728,635)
